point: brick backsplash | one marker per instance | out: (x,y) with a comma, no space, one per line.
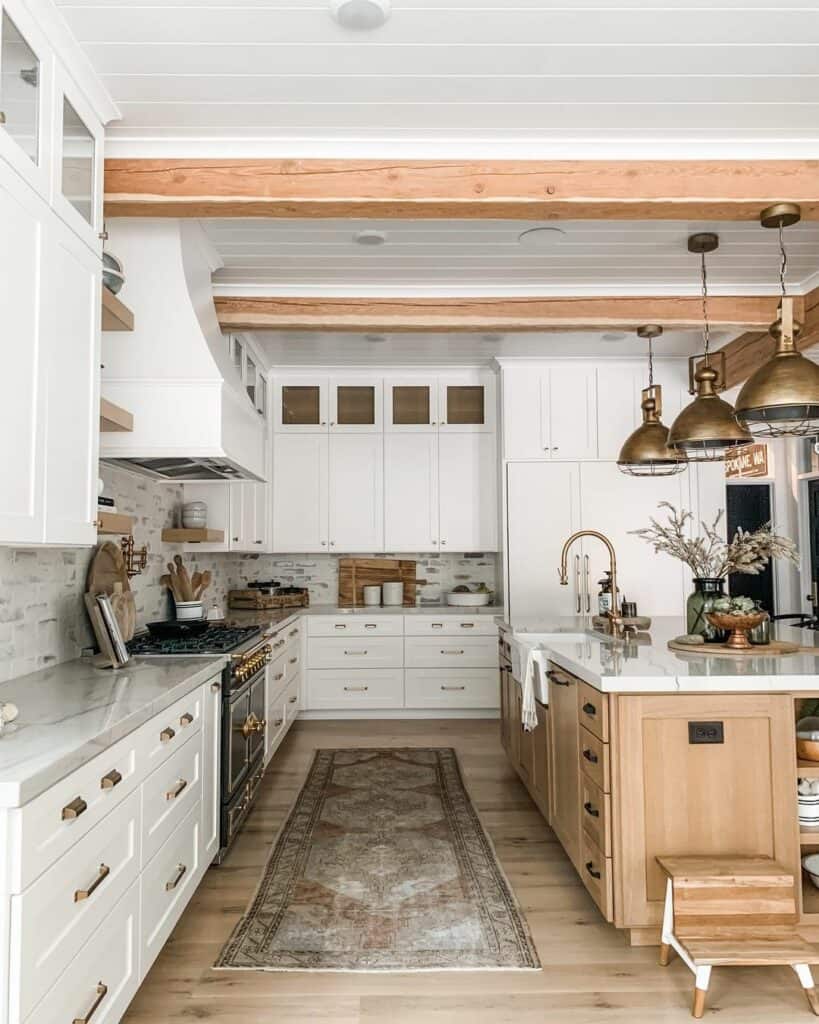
(42,614)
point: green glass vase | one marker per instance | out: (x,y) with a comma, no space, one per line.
(700,602)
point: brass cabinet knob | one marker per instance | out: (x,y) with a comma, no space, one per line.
(73,810)
(186,719)
(113,778)
(166,735)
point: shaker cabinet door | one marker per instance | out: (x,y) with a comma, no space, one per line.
(411,492)
(468,487)
(356,493)
(300,493)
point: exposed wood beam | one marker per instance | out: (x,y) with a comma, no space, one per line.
(749,351)
(590,313)
(531,190)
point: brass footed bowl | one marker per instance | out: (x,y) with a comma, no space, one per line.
(738,627)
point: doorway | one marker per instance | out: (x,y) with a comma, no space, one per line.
(749,506)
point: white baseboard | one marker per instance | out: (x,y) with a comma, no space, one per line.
(398,713)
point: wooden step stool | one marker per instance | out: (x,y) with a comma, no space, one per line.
(733,912)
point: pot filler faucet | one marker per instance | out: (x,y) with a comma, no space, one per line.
(614,617)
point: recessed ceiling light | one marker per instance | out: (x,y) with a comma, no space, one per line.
(369,237)
(615,336)
(492,339)
(375,339)
(360,15)
(541,238)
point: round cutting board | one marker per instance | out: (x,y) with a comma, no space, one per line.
(776,648)
(107,575)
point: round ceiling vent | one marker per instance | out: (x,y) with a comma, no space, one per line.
(360,15)
(370,237)
(541,238)
(375,339)
(615,336)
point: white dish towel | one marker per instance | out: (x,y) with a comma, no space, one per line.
(524,658)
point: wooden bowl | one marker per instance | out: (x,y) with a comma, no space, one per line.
(738,627)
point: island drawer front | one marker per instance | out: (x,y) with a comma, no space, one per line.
(56,915)
(105,971)
(167,884)
(173,726)
(450,625)
(374,688)
(452,688)
(292,699)
(595,814)
(450,652)
(292,663)
(593,710)
(168,794)
(595,870)
(57,819)
(356,652)
(284,639)
(358,625)
(277,675)
(594,760)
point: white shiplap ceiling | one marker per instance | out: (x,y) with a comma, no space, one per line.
(460,76)
(309,257)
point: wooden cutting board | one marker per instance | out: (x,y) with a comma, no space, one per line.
(124,605)
(356,573)
(107,568)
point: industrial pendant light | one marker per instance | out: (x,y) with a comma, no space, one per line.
(706,430)
(782,397)
(646,451)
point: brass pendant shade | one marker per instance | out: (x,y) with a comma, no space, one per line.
(706,430)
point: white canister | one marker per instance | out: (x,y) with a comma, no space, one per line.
(392,593)
(372,596)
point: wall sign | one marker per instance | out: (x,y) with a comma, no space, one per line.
(751,461)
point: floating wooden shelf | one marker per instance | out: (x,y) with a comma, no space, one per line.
(114,419)
(203,536)
(809,836)
(807,769)
(115,314)
(114,522)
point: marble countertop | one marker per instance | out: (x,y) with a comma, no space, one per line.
(647,665)
(72,712)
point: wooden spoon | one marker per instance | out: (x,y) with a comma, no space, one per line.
(174,582)
(196,579)
(184,579)
(204,583)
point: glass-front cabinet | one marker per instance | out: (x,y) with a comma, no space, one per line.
(346,405)
(466,405)
(78,168)
(25,81)
(300,404)
(411,404)
(355,405)
(77,179)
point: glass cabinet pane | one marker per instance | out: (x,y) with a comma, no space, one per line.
(19,89)
(78,163)
(250,379)
(237,352)
(464,404)
(355,406)
(261,395)
(301,405)
(410,404)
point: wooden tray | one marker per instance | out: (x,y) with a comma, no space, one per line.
(356,573)
(776,648)
(254,600)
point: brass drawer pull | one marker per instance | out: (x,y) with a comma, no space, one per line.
(278,676)
(166,735)
(293,632)
(340,625)
(557,679)
(113,778)
(453,652)
(371,625)
(215,687)
(292,700)
(356,654)
(279,643)
(102,992)
(453,687)
(467,625)
(590,757)
(177,878)
(83,894)
(590,869)
(186,719)
(172,794)
(589,709)
(590,809)
(73,810)
(356,689)
(278,722)
(293,661)
(437,625)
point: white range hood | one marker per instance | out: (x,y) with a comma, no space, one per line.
(193,419)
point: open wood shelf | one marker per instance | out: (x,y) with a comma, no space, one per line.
(114,419)
(173,535)
(115,314)
(809,836)
(807,769)
(114,522)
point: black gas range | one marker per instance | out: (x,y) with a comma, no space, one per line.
(243,710)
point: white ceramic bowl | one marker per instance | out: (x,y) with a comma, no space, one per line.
(468,600)
(811,864)
(194,522)
(190,610)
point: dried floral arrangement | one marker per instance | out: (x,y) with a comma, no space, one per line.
(709,556)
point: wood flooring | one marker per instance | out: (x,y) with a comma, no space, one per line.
(590,974)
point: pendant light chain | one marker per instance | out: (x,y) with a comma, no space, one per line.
(783,261)
(651,361)
(706,333)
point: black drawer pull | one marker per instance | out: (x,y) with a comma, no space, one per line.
(589,808)
(590,869)
(556,679)
(592,758)
(589,709)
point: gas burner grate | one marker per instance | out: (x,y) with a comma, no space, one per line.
(215,640)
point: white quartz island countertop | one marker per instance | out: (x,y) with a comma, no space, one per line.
(648,665)
(72,712)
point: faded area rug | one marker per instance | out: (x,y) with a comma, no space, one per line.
(383,865)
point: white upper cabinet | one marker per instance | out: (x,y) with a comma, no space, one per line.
(77,194)
(569,407)
(466,404)
(411,405)
(356,494)
(355,405)
(618,405)
(468,489)
(301,405)
(24,218)
(249,512)
(300,493)
(411,492)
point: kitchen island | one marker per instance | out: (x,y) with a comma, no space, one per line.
(641,751)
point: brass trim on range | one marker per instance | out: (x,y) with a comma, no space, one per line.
(101,992)
(74,809)
(111,779)
(84,894)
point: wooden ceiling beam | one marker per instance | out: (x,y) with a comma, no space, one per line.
(749,351)
(580,313)
(719,190)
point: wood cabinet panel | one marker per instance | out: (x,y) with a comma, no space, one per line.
(595,813)
(595,762)
(593,710)
(564,749)
(540,761)
(596,873)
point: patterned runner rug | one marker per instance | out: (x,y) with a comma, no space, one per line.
(383,865)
